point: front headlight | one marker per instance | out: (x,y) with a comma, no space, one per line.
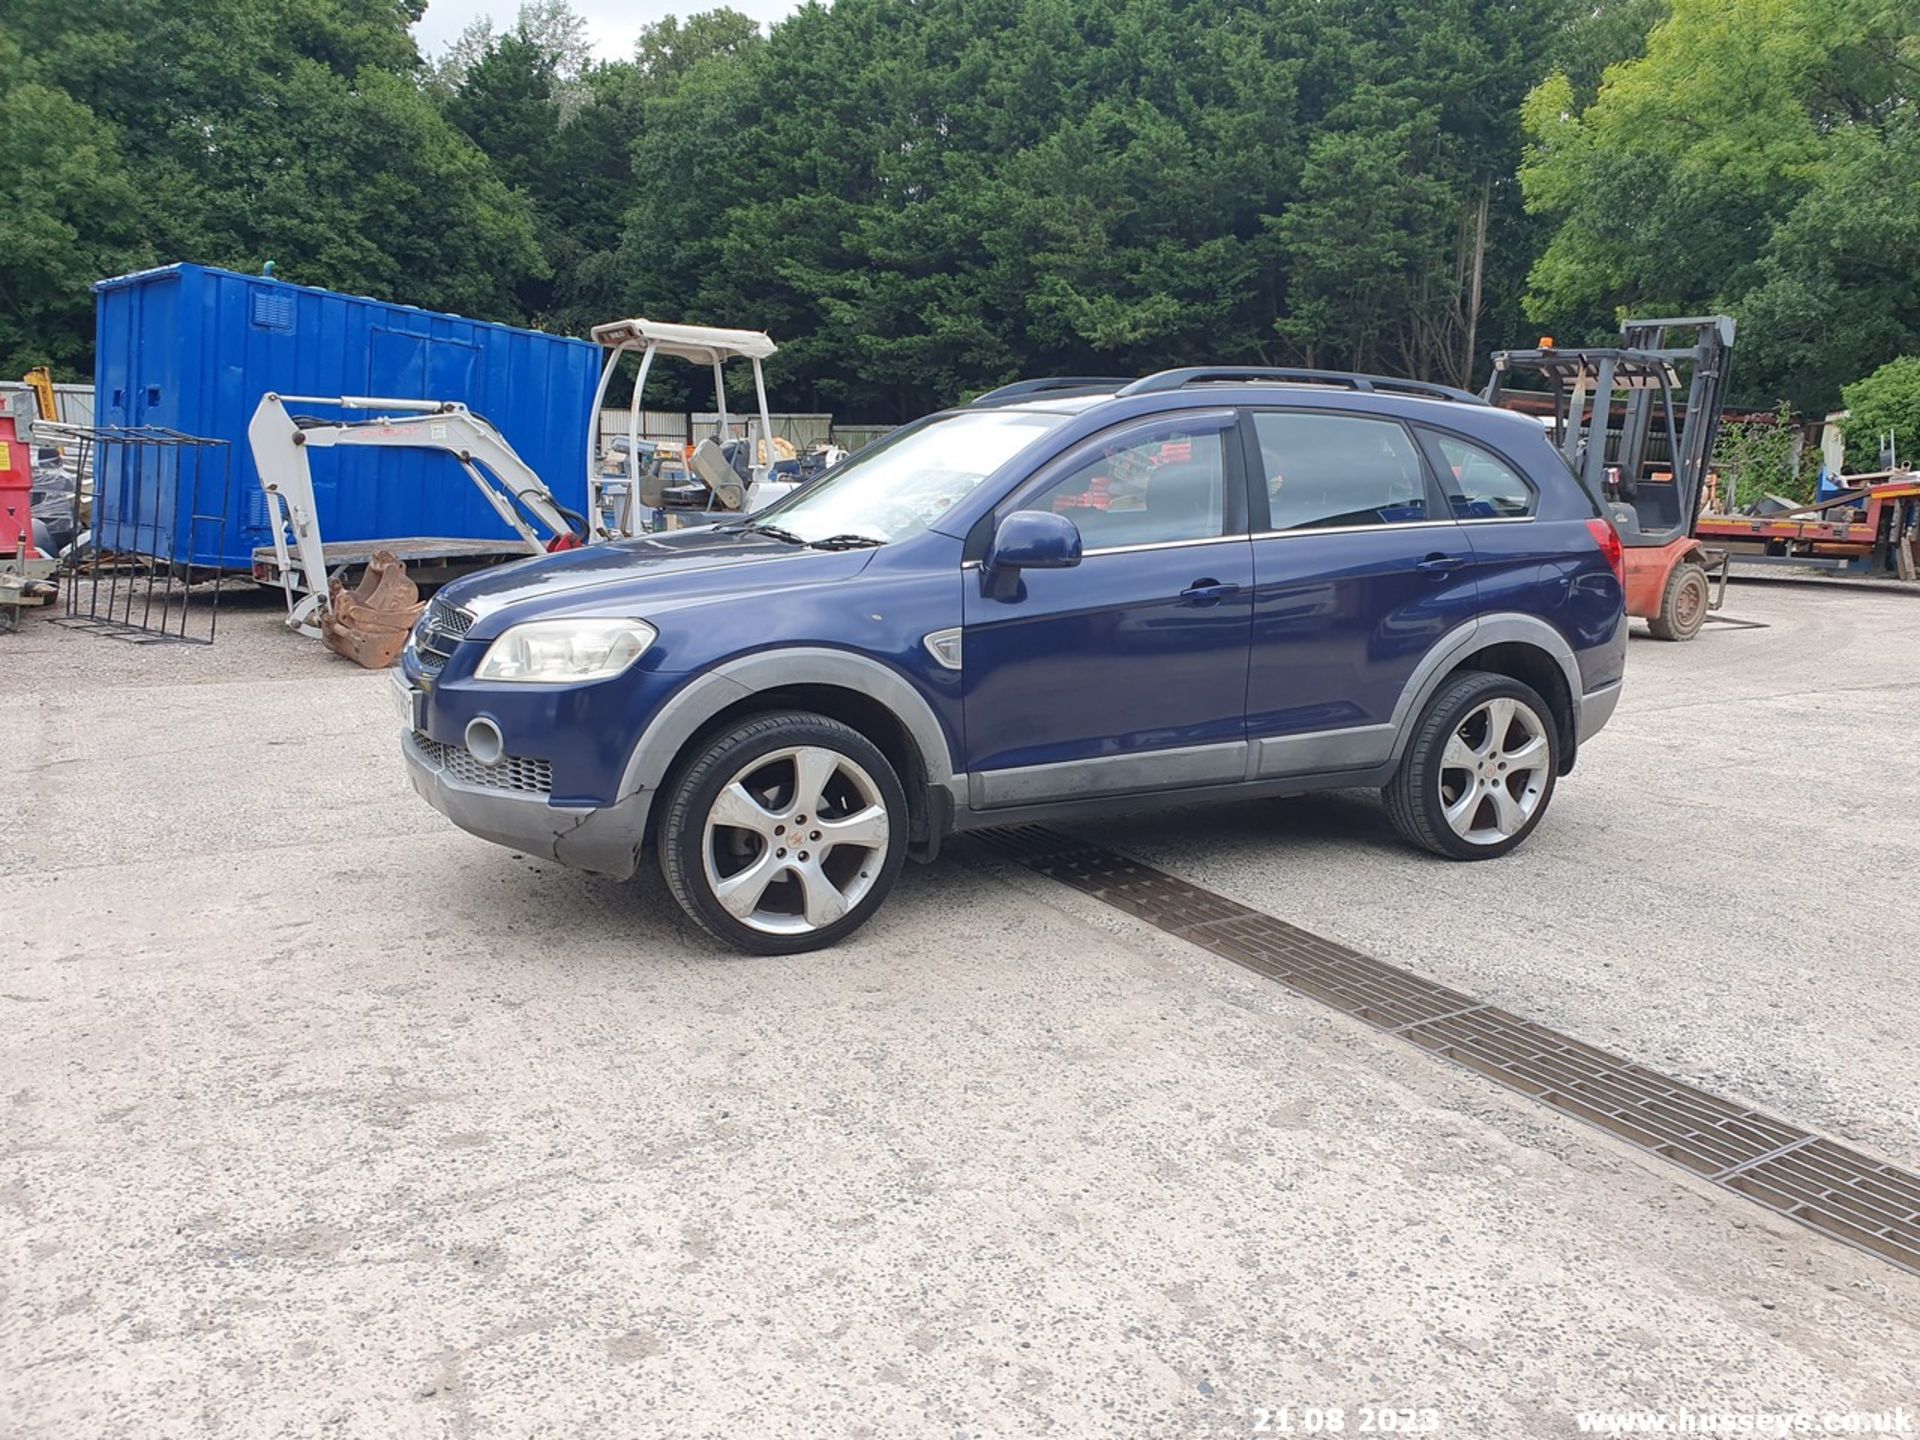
(562,652)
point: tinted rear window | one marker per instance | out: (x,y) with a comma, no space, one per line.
(1326,471)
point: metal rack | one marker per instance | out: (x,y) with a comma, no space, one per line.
(159,498)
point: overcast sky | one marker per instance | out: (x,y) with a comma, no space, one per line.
(614,24)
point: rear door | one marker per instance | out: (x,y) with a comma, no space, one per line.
(1358,570)
(1495,504)
(1127,672)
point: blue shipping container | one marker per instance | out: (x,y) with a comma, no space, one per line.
(192,349)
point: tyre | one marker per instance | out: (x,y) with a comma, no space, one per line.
(783,834)
(1683,606)
(1479,771)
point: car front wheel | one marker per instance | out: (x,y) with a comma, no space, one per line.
(1478,774)
(784,834)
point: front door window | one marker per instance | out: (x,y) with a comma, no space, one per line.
(1153,486)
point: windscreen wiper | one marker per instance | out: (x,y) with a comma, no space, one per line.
(773,530)
(846,542)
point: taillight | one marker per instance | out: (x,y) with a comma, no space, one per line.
(1608,539)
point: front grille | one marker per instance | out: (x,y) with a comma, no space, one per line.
(444,615)
(514,772)
(440,630)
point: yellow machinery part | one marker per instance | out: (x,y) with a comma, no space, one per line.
(40,381)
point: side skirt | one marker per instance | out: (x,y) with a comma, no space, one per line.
(971,819)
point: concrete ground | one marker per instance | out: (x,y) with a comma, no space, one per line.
(322,1118)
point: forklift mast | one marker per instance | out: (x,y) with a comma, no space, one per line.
(1651,504)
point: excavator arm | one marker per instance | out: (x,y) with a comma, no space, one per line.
(281,441)
(40,381)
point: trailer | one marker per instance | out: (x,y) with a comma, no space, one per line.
(1871,530)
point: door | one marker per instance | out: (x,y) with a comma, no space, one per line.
(1358,569)
(1514,559)
(1532,554)
(1127,672)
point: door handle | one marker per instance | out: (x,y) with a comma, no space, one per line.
(1208,592)
(1438,564)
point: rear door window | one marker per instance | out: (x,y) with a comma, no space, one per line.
(1325,472)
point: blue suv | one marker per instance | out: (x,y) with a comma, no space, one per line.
(1071,596)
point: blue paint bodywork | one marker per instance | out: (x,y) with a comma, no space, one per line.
(1107,658)
(1247,637)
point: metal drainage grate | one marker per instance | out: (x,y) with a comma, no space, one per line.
(1839,1192)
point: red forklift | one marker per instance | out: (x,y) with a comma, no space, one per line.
(1652,491)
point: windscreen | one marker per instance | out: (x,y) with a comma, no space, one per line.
(897,488)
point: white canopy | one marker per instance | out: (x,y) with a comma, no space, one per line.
(702,344)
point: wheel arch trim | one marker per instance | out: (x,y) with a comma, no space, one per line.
(1501,628)
(710,692)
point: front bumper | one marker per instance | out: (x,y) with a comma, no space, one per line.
(606,838)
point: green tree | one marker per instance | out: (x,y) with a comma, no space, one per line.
(69,213)
(1886,401)
(1762,457)
(1364,236)
(551,27)
(1601,35)
(506,105)
(1757,158)
(561,131)
(918,200)
(670,47)
(257,130)
(1839,284)
(921,201)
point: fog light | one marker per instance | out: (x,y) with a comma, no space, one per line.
(484,742)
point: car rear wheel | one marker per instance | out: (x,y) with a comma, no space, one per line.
(1480,770)
(783,834)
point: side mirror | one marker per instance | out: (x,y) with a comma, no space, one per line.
(1028,540)
(1034,540)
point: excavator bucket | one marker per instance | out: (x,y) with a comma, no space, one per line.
(369,623)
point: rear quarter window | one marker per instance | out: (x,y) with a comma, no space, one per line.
(1479,484)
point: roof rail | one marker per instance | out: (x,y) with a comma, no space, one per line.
(1265,374)
(1022,389)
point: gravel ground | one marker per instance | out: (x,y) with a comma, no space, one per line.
(322,1118)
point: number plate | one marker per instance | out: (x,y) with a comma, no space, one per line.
(409,703)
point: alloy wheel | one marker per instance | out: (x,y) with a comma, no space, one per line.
(1494,771)
(795,840)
